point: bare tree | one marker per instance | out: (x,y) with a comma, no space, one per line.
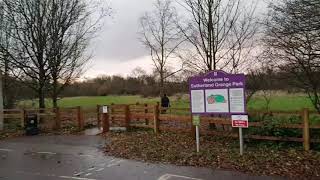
(293,39)
(29,37)
(71,26)
(161,36)
(9,91)
(220,32)
(253,83)
(49,38)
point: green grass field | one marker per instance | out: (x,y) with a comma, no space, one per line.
(282,102)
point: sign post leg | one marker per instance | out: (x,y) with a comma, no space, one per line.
(198,140)
(241,141)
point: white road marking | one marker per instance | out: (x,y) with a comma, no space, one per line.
(115,163)
(90,169)
(35,174)
(85,155)
(78,174)
(52,153)
(52,175)
(99,169)
(78,178)
(168,176)
(7,150)
(88,174)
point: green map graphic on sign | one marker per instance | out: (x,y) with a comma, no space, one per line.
(212,99)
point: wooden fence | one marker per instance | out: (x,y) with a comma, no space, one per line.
(159,119)
(49,118)
(180,120)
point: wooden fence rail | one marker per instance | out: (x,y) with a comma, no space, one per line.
(162,119)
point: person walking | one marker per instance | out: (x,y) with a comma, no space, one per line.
(165,103)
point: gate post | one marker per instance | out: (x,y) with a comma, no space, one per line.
(80,118)
(105,122)
(98,116)
(146,112)
(111,112)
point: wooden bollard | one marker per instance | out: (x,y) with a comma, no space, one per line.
(306,130)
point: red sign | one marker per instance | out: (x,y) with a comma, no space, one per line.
(240,121)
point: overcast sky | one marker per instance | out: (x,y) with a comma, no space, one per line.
(117,49)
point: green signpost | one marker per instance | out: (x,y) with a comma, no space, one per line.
(196,120)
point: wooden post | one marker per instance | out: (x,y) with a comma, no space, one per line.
(111,113)
(105,123)
(98,116)
(127,116)
(146,112)
(137,109)
(58,118)
(156,118)
(22,118)
(80,118)
(306,133)
(193,128)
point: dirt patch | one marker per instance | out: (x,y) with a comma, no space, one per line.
(179,149)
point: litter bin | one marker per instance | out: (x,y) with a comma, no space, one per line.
(31,125)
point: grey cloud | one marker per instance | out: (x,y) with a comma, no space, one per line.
(118,40)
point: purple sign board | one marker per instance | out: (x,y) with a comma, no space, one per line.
(217,92)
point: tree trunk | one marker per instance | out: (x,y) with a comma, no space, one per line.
(162,90)
(55,94)
(1,103)
(210,38)
(5,84)
(41,96)
(54,101)
(8,97)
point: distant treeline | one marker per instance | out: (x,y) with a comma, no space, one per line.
(145,85)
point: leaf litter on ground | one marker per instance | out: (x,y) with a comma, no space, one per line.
(217,153)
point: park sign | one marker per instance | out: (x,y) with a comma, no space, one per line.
(240,121)
(217,92)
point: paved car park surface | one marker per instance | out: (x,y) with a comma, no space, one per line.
(82,158)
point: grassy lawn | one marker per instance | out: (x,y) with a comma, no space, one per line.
(91,101)
(281,103)
(278,102)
